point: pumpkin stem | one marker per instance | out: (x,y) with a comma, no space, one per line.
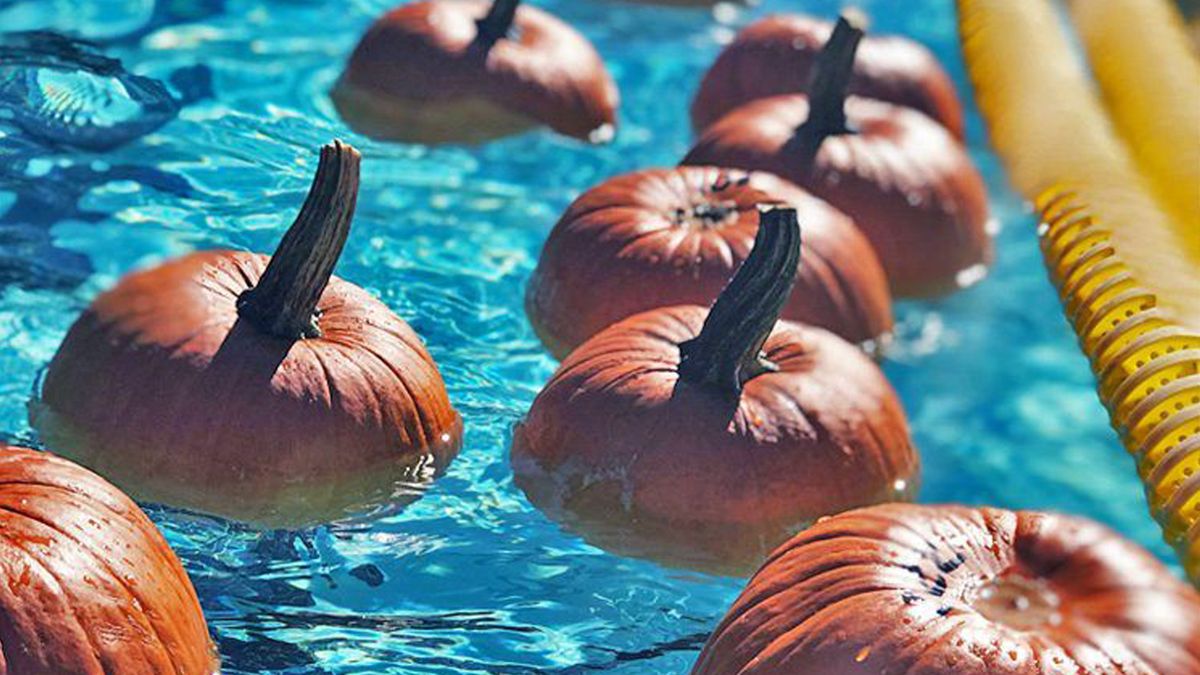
(831,76)
(728,351)
(497,23)
(284,303)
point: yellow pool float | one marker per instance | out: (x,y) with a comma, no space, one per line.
(1112,164)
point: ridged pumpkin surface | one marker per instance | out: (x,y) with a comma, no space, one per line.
(89,585)
(775,56)
(665,237)
(904,180)
(944,590)
(162,389)
(641,461)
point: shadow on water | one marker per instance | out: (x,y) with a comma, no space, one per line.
(60,95)
(28,256)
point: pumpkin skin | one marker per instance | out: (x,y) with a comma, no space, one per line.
(775,56)
(955,590)
(92,587)
(419,75)
(162,389)
(645,463)
(905,181)
(662,237)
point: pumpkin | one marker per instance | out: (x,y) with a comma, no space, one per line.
(255,388)
(703,438)
(463,71)
(91,586)
(666,237)
(958,591)
(906,182)
(776,56)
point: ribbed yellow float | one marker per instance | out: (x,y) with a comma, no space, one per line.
(1113,166)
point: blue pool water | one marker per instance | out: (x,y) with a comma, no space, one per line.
(472,579)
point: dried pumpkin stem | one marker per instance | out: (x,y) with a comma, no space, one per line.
(497,23)
(728,351)
(831,76)
(284,303)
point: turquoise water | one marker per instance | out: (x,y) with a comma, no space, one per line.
(472,579)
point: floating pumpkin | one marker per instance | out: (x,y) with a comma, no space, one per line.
(776,56)
(703,438)
(958,591)
(675,236)
(906,182)
(91,586)
(446,71)
(256,388)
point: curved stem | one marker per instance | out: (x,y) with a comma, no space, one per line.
(728,351)
(831,76)
(284,302)
(497,23)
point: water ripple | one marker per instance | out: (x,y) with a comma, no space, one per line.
(471,578)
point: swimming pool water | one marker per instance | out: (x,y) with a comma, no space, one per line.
(472,579)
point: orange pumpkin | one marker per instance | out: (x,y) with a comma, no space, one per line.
(675,236)
(91,587)
(906,182)
(255,388)
(461,71)
(776,55)
(947,590)
(703,438)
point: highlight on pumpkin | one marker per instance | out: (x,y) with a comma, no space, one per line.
(1117,244)
(687,435)
(952,589)
(906,181)
(471,71)
(90,584)
(257,388)
(663,237)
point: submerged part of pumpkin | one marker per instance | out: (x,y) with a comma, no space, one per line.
(470,71)
(187,383)
(90,586)
(703,438)
(949,590)
(664,237)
